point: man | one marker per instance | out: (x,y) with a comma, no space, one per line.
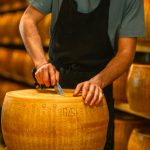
(92,43)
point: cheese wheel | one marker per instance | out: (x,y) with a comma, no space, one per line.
(139,140)
(124,125)
(8,85)
(138,88)
(119,89)
(44,120)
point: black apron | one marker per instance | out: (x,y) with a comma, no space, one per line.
(80,48)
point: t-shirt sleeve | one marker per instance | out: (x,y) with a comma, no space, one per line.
(44,6)
(133,20)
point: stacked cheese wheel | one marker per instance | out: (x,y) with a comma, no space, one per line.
(9,5)
(138,88)
(6,86)
(16,64)
(124,125)
(139,140)
(9,29)
(119,89)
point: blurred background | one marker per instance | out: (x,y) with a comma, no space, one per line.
(131,91)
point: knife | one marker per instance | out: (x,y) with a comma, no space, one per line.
(57,87)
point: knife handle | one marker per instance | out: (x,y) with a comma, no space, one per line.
(36,84)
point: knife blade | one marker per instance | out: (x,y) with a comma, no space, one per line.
(59,89)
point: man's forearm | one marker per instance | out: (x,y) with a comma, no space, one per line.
(114,69)
(119,64)
(32,40)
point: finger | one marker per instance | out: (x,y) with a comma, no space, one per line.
(52,75)
(46,77)
(95,97)
(100,98)
(78,89)
(41,76)
(85,89)
(90,94)
(38,76)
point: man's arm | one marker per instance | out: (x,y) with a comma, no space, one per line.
(120,63)
(30,35)
(46,73)
(92,89)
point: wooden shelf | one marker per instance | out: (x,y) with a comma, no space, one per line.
(125,108)
(145,48)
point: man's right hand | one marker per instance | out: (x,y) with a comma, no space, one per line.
(47,74)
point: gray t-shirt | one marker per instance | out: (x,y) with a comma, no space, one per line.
(126,17)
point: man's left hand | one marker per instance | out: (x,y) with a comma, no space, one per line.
(91,92)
